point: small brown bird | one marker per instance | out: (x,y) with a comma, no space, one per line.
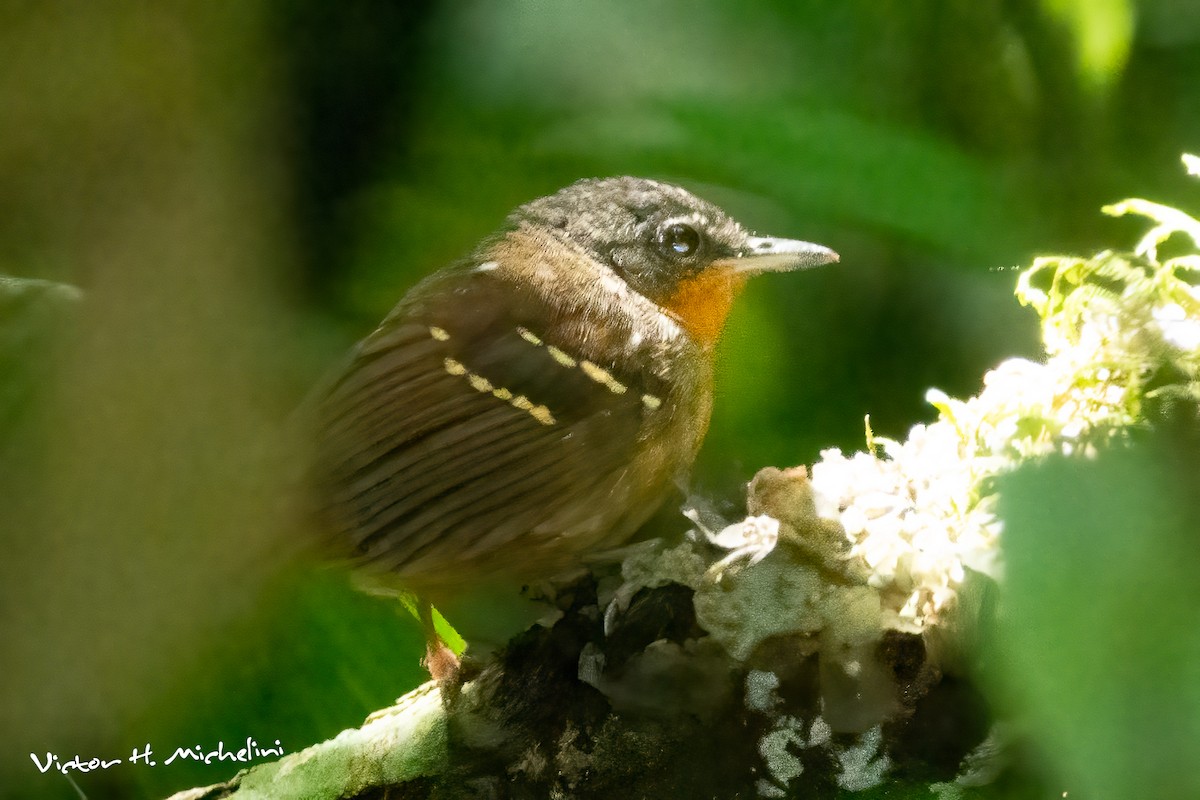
(539,400)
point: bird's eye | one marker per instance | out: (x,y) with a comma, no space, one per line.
(678,239)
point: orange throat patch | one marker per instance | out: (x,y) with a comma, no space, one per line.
(701,303)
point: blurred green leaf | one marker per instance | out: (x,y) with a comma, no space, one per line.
(315,656)
(1100,642)
(32,314)
(1103,35)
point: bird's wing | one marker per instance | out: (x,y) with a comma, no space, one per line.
(461,425)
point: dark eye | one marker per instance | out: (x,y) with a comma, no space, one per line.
(678,239)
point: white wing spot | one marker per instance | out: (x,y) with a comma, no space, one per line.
(602,376)
(482,384)
(438,333)
(651,402)
(529,336)
(487,266)
(596,373)
(560,356)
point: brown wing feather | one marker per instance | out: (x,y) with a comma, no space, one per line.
(425,471)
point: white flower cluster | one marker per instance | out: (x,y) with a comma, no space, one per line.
(918,513)
(911,518)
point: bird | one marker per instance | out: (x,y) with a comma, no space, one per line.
(540,399)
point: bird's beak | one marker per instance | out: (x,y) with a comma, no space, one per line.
(767,254)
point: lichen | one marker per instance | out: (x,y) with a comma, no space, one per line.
(773,598)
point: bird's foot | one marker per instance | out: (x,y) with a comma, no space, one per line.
(443,665)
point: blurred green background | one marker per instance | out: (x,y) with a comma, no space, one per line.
(243,189)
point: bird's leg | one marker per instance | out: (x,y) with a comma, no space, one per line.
(440,660)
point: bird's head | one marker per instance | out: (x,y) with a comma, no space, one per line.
(682,253)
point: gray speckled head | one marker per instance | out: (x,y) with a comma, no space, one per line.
(653,234)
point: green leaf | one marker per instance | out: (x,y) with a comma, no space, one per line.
(1103,34)
(1099,637)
